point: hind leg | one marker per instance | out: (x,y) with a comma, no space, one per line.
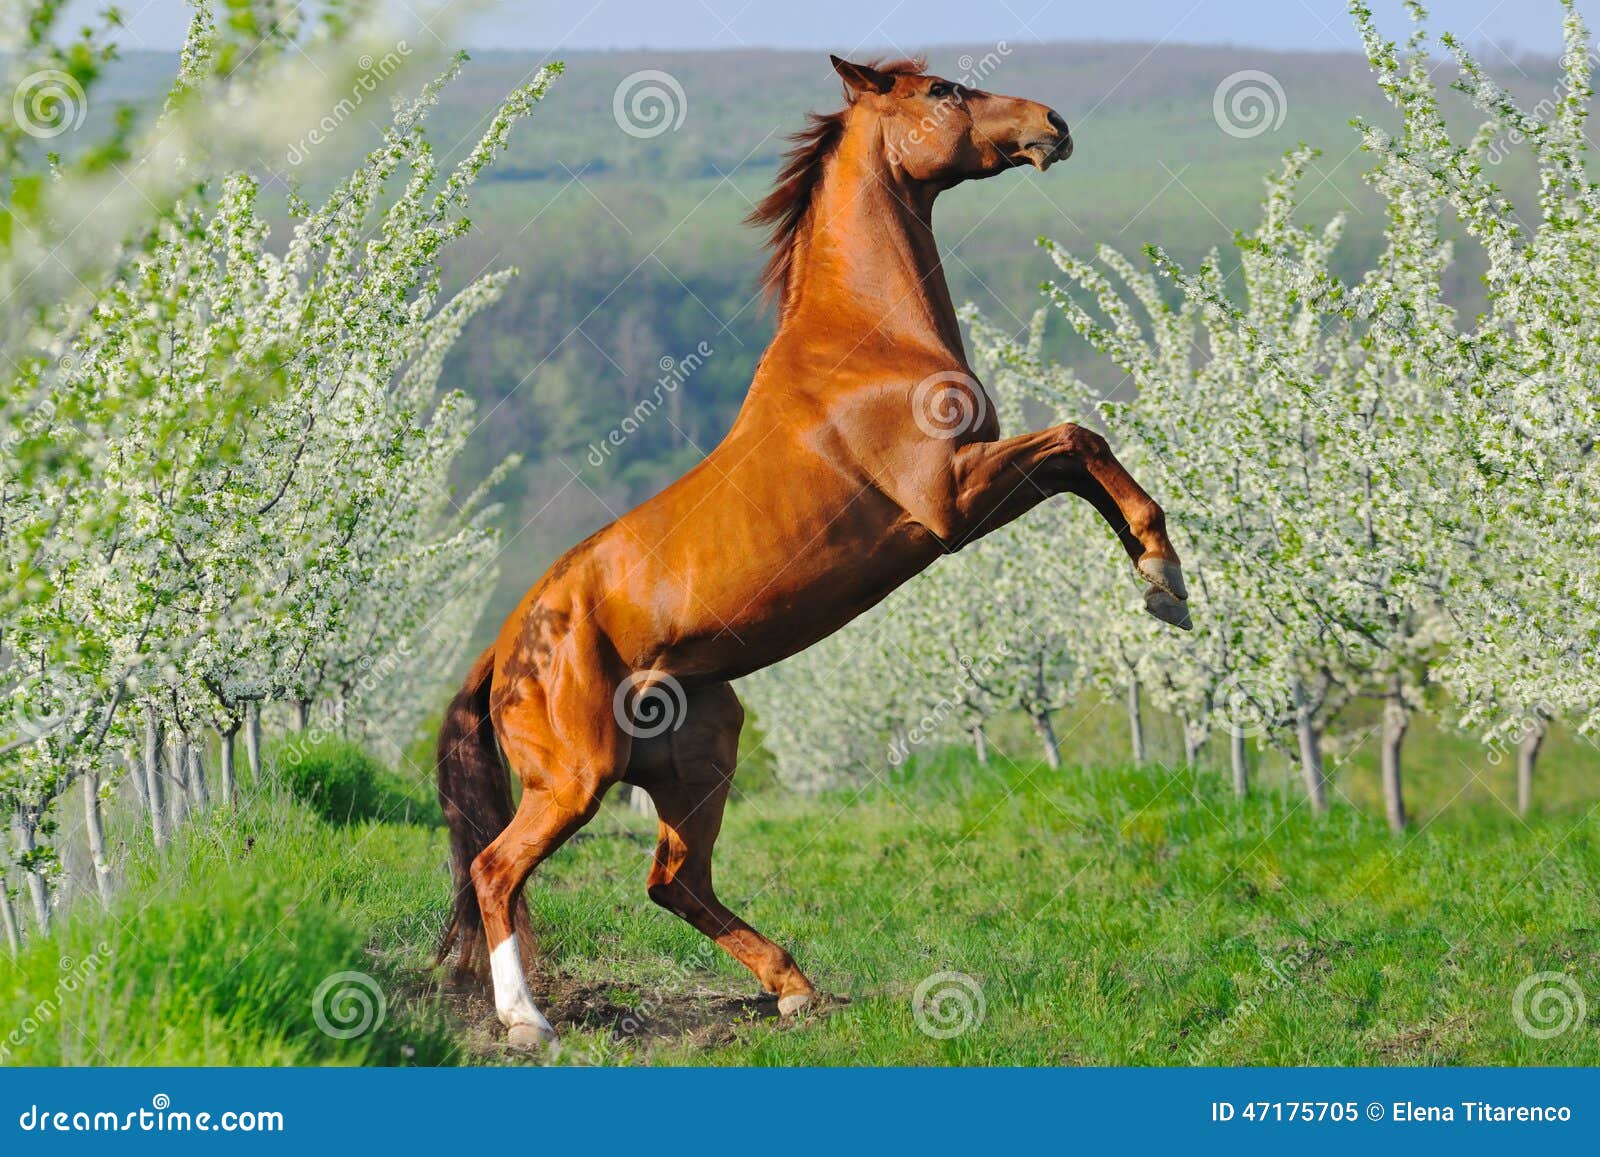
(689,774)
(540,826)
(567,750)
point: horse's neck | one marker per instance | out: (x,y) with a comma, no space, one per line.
(868,252)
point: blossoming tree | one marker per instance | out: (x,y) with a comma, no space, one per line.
(273,518)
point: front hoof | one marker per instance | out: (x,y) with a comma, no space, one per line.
(1164,574)
(530,1037)
(795,1004)
(1168,609)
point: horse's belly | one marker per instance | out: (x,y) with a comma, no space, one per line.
(787,608)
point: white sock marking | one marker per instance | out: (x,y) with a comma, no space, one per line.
(512,1000)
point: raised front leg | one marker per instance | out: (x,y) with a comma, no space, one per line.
(995,482)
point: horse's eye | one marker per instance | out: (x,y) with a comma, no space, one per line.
(939,90)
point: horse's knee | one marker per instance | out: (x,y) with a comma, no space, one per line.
(660,893)
(491,876)
(575,801)
(1077,441)
(673,895)
(496,889)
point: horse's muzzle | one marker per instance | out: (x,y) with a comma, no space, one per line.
(1046,151)
(1063,146)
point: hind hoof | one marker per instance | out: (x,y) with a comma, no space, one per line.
(794,1004)
(529,1036)
(1164,574)
(1168,609)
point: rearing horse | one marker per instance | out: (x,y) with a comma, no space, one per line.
(865,450)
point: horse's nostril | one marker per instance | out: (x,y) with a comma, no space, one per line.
(1056,122)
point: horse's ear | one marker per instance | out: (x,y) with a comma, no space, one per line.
(858,78)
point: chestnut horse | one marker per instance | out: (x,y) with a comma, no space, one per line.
(865,450)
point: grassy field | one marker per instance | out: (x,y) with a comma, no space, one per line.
(1112,916)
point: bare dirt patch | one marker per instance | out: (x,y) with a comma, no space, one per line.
(633,1018)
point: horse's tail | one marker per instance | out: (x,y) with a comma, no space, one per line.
(475,796)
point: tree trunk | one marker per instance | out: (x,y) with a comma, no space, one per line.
(252,739)
(1396,718)
(8,917)
(230,790)
(1047,738)
(1239,753)
(1527,756)
(38,887)
(94,828)
(1135,721)
(177,756)
(639,800)
(980,744)
(302,714)
(141,786)
(153,786)
(1311,772)
(1191,749)
(199,792)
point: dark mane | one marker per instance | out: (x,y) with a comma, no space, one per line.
(784,209)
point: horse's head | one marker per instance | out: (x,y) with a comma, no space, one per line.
(941,132)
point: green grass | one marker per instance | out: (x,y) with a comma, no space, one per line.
(216,947)
(1114,916)
(1127,916)
(343,783)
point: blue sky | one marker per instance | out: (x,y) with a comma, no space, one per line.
(847,25)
